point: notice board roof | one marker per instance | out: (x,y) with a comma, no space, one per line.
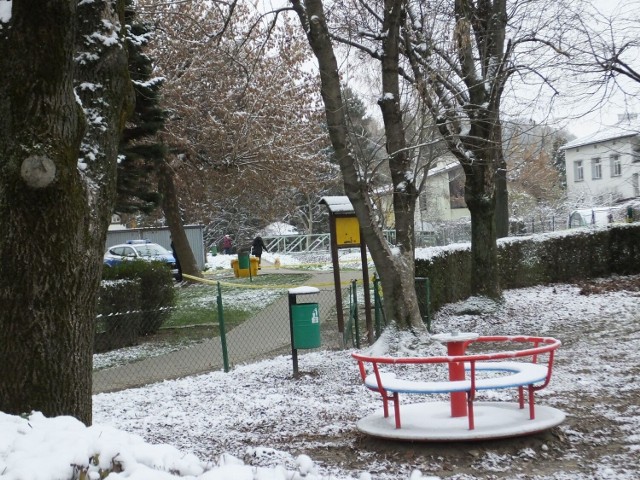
(338,205)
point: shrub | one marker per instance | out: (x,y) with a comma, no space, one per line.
(157,294)
(548,258)
(119,314)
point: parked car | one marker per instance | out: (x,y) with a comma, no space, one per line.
(140,250)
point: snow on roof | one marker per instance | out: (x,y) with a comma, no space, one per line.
(278,228)
(117,226)
(338,204)
(447,167)
(623,129)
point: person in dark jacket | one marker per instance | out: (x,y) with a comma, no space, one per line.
(257,247)
(175,255)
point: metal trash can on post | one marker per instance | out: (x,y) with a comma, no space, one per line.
(304,322)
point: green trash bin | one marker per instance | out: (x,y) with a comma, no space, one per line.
(243,261)
(306,325)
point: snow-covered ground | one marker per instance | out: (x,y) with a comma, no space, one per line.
(258,422)
(315,261)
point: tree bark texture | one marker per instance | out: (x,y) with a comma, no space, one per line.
(478,161)
(54,208)
(396,271)
(405,193)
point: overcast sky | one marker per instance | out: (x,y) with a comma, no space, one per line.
(606,114)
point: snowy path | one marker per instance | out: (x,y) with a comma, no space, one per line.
(263,335)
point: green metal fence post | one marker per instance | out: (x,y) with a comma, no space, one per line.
(223,333)
(355,311)
(425,311)
(347,334)
(428,300)
(376,305)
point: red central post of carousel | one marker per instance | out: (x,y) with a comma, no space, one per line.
(456,346)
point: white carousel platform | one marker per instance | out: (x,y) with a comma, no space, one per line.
(432,422)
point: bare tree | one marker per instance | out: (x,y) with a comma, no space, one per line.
(606,50)
(535,182)
(243,115)
(460,57)
(61,114)
(396,269)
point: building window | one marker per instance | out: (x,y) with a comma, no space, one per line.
(578,171)
(596,169)
(616,165)
(456,189)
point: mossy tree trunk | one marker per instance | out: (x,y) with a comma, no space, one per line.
(57,185)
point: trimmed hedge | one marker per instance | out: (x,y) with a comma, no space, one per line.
(140,294)
(119,313)
(556,257)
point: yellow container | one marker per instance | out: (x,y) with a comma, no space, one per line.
(234,265)
(253,265)
(245,272)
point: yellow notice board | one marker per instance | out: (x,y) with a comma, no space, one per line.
(347,231)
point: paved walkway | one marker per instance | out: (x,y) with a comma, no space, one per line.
(263,335)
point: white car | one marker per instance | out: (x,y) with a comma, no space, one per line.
(139,250)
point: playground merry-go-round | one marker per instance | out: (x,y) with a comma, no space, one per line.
(522,363)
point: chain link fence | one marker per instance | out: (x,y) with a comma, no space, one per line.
(360,328)
(214,325)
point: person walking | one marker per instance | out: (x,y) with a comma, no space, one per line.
(257,247)
(226,245)
(178,275)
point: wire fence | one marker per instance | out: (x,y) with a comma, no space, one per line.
(362,328)
(215,325)
(440,234)
(218,324)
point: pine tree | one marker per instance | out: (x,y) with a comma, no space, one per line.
(557,158)
(139,151)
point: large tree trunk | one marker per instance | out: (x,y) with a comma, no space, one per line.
(171,209)
(398,281)
(502,197)
(481,199)
(396,270)
(481,196)
(479,149)
(54,208)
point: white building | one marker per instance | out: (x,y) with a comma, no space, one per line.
(443,196)
(604,168)
(441,200)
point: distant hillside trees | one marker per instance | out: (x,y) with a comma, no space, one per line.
(535,167)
